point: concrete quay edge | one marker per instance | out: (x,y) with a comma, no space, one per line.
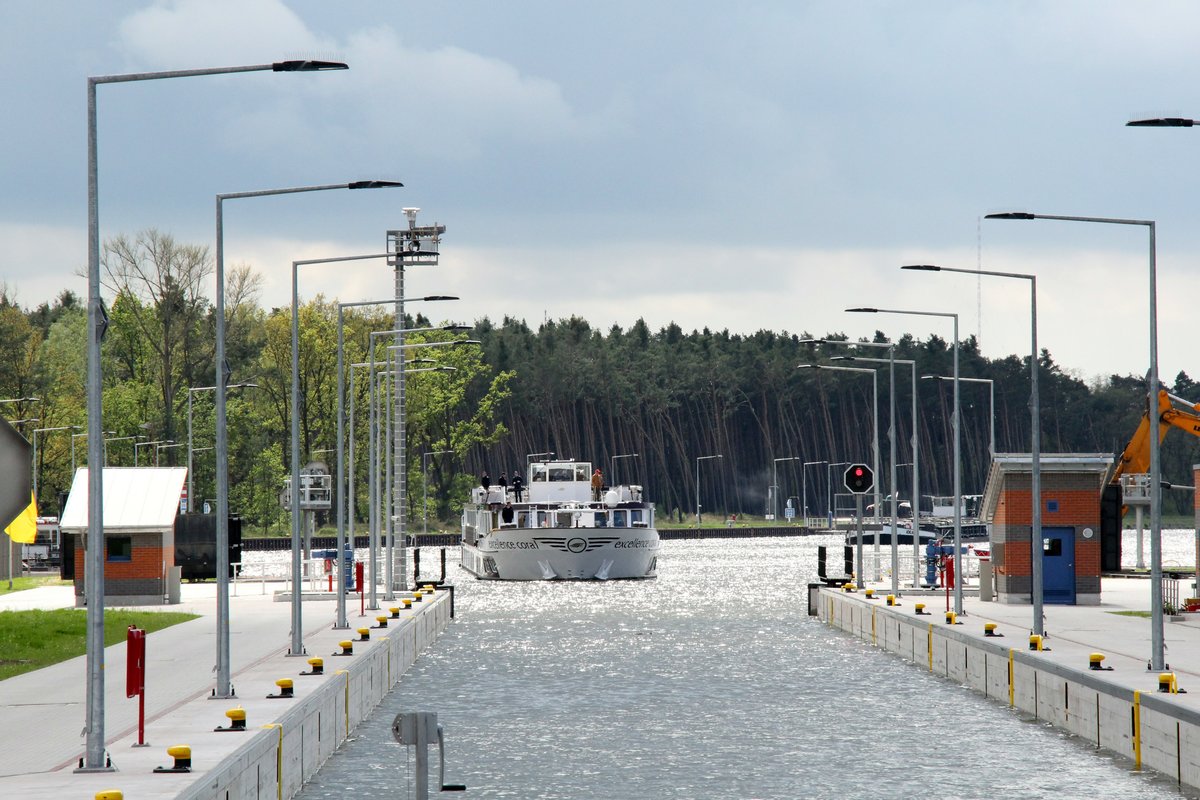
(1121,711)
(286,741)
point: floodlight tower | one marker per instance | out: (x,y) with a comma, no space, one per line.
(409,247)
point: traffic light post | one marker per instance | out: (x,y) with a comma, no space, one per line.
(859,480)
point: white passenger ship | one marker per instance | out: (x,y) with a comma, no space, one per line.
(557,531)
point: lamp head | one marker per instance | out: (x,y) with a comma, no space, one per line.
(307,66)
(1161,122)
(373,184)
(433,297)
(863,310)
(1011,215)
(923,267)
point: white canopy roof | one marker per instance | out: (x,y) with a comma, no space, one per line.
(135,498)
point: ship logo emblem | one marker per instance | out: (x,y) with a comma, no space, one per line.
(576,544)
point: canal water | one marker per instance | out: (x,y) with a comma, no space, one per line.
(709,682)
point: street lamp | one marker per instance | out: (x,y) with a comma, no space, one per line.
(36,431)
(958,606)
(164,446)
(340,620)
(224,687)
(874,417)
(117,439)
(804,486)
(191,450)
(775,483)
(97,324)
(425,486)
(698,460)
(991,404)
(612,477)
(829,468)
(1157,646)
(136,445)
(915,443)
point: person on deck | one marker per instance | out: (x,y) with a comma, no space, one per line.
(485,481)
(597,485)
(518,485)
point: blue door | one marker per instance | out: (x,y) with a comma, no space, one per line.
(1058,566)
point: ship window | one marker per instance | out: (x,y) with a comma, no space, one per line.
(561,473)
(636,518)
(564,519)
(619,519)
(537,473)
(522,519)
(601,519)
(581,472)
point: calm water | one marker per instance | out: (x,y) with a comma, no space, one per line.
(709,682)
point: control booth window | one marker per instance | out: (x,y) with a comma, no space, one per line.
(120,548)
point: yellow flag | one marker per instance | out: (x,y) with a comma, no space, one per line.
(24,528)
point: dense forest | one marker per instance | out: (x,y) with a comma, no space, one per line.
(668,396)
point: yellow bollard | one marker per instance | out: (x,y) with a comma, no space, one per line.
(407,603)
(870,594)
(416,597)
(919,610)
(183,759)
(237,720)
(316,666)
(1167,683)
(110,794)
(1096,662)
(952,618)
(395,612)
(1035,642)
(891,600)
(347,648)
(364,634)
(285,690)
(429,588)
(989,629)
(382,622)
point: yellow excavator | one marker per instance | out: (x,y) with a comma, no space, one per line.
(1173,412)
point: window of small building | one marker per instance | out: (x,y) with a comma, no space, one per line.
(120,548)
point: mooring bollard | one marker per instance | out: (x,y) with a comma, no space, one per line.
(237,720)
(1168,684)
(891,600)
(919,610)
(869,594)
(407,603)
(952,618)
(364,634)
(989,629)
(848,587)
(347,648)
(110,794)
(1096,662)
(183,759)
(1035,642)
(382,622)
(316,666)
(286,690)
(395,612)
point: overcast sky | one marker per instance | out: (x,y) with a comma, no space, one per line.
(731,165)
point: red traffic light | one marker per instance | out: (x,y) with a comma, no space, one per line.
(859,479)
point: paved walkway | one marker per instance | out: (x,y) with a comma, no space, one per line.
(1074,632)
(44,711)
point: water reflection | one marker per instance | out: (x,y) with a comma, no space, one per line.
(710,681)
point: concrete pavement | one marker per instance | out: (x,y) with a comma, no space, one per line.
(44,711)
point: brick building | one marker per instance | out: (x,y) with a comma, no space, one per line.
(140,506)
(1071,488)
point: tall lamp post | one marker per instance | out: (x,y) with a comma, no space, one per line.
(916,462)
(1156,610)
(36,431)
(698,460)
(612,476)
(775,483)
(874,417)
(804,486)
(97,324)
(957,425)
(991,404)
(829,468)
(224,687)
(425,486)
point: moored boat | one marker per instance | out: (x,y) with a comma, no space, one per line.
(559,529)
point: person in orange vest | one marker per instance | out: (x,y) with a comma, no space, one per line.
(597,485)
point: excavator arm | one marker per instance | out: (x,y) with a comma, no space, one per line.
(1173,412)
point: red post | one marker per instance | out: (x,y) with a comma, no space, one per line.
(358,586)
(135,675)
(950,561)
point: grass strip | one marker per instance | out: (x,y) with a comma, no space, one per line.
(32,640)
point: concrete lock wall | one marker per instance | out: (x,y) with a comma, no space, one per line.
(1146,728)
(280,757)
